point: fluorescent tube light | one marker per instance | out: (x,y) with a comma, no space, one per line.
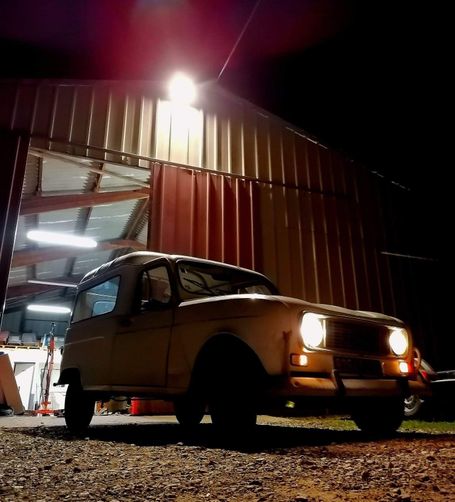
(50,309)
(61,239)
(53,283)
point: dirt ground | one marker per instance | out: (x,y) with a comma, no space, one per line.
(285,460)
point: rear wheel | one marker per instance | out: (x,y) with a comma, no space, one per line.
(380,417)
(79,408)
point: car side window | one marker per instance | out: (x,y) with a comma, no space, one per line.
(155,287)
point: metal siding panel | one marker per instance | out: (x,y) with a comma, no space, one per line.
(282,245)
(99,121)
(24,108)
(269,239)
(116,123)
(314,178)
(108,221)
(279,157)
(146,132)
(215,229)
(224,151)
(200,219)
(325,169)
(82,116)
(301,174)
(229,233)
(90,261)
(196,138)
(286,168)
(211,141)
(263,152)
(63,113)
(295,242)
(17,275)
(236,139)
(130,134)
(50,269)
(334,250)
(44,111)
(249,143)
(245,223)
(163,130)
(8,105)
(308,247)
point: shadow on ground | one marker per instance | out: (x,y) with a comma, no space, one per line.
(262,439)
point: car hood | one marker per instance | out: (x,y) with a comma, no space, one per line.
(300,305)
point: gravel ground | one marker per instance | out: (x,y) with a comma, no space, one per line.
(285,460)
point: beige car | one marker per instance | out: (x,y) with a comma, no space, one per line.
(215,338)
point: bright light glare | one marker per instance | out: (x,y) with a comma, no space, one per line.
(50,309)
(312,330)
(182,89)
(398,341)
(404,367)
(61,239)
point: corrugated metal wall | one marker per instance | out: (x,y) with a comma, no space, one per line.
(274,199)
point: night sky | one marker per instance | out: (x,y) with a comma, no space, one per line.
(368,77)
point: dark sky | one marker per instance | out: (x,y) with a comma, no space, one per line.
(366,76)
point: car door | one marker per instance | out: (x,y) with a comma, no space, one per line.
(140,348)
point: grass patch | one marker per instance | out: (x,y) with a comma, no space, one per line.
(428,427)
(343,423)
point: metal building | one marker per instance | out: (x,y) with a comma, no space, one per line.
(223,180)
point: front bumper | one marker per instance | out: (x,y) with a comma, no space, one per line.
(335,386)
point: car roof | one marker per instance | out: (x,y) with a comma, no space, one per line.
(139,258)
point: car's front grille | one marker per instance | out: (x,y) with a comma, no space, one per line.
(356,337)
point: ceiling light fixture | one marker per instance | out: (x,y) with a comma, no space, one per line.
(182,89)
(53,283)
(61,239)
(49,309)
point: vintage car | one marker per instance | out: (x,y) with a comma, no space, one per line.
(216,338)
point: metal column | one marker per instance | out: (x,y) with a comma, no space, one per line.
(13,156)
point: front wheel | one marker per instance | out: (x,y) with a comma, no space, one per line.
(379,417)
(79,408)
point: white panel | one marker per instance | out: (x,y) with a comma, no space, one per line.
(50,269)
(142,236)
(17,275)
(90,261)
(59,175)
(31,175)
(179,135)
(107,221)
(58,221)
(21,234)
(133,175)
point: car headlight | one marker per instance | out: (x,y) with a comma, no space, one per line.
(398,341)
(312,329)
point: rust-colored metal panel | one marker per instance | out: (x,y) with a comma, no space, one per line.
(203,214)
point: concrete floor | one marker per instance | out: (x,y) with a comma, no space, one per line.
(51,421)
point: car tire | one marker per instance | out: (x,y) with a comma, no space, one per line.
(189,410)
(232,404)
(79,408)
(412,406)
(379,417)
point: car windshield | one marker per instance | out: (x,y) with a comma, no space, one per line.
(201,279)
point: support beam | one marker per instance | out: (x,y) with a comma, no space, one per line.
(27,257)
(29,289)
(39,204)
